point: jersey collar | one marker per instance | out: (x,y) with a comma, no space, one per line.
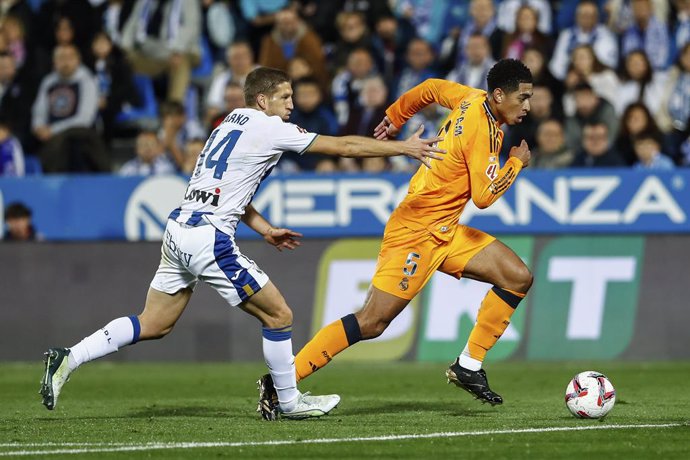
(487,108)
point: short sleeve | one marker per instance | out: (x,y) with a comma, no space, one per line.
(291,138)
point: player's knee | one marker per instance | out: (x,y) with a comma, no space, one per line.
(279,317)
(522,278)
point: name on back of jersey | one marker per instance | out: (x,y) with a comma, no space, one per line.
(236,118)
(458,123)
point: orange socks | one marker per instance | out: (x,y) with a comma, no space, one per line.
(492,320)
(327,343)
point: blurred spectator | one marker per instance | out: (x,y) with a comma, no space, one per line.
(348,83)
(63,116)
(13,30)
(289,38)
(239,59)
(390,43)
(587,31)
(635,120)
(640,83)
(586,68)
(313,115)
(509,12)
(150,157)
(473,70)
(65,34)
(17,93)
(192,149)
(419,66)
(176,129)
(649,34)
(11,153)
(621,17)
(524,34)
(115,82)
(373,10)
(261,16)
(163,37)
(21,10)
(321,17)
(31,61)
(674,112)
(114,14)
(371,108)
(221,25)
(535,60)
(482,21)
(82,21)
(589,109)
(353,33)
(648,152)
(681,32)
(596,148)
(18,223)
(431,19)
(310,112)
(550,151)
(232,99)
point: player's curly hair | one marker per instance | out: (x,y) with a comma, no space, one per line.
(507,74)
(262,80)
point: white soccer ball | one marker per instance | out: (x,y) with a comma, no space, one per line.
(590,395)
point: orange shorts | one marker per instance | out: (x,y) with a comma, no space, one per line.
(409,258)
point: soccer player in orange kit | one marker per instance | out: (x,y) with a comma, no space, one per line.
(423,234)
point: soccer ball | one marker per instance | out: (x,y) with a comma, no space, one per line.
(590,395)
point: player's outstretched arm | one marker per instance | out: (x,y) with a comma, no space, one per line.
(443,92)
(281,238)
(359,146)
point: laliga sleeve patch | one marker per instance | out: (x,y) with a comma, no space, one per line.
(491,171)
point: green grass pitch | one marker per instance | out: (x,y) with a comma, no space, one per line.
(388,410)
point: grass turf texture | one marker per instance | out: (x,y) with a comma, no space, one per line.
(132,405)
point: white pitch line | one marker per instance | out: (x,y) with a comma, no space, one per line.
(398,437)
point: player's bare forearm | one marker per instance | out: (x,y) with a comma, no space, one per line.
(255,220)
(360,147)
(281,238)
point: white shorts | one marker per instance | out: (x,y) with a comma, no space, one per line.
(205,253)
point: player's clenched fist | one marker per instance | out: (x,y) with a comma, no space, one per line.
(522,153)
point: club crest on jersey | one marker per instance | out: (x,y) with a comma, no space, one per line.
(404,284)
(492,171)
(202,196)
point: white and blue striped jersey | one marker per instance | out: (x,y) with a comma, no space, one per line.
(237,156)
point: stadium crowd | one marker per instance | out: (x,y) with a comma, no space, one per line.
(135,86)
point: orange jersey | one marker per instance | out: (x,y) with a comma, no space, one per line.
(472,139)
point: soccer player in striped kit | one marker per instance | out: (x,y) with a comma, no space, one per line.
(199,243)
